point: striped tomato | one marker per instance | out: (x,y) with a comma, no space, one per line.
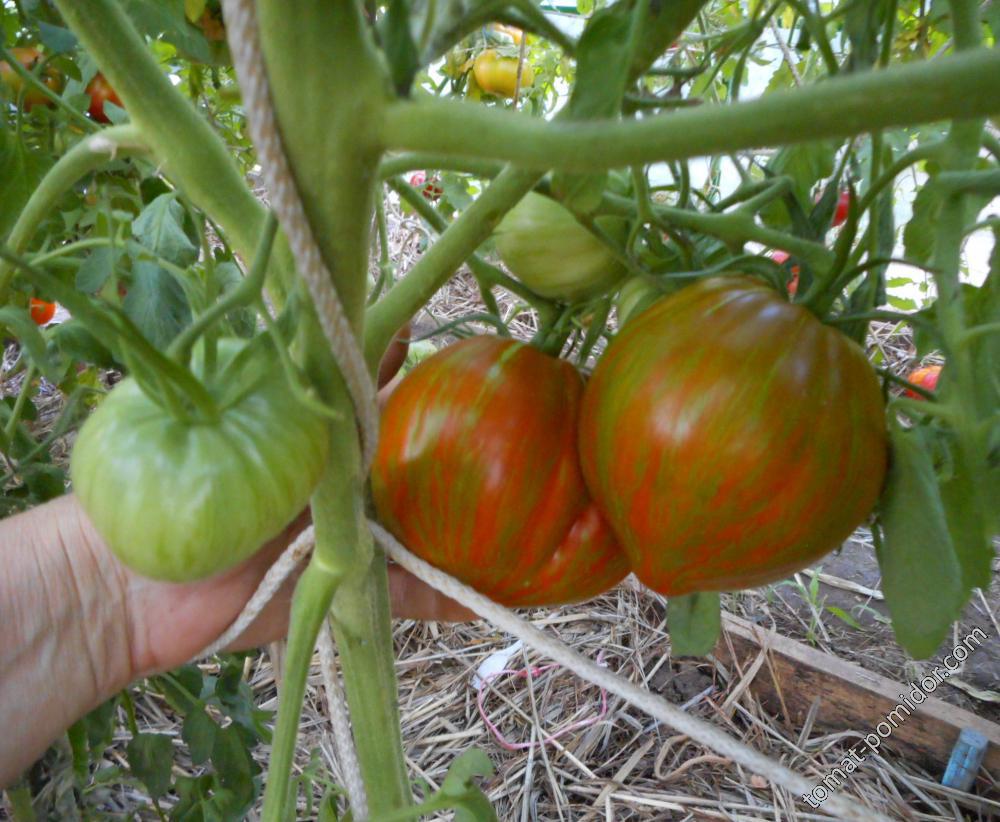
(477,472)
(730,438)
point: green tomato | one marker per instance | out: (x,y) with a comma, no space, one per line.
(545,247)
(178,500)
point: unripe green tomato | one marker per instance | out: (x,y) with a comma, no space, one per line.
(545,247)
(180,501)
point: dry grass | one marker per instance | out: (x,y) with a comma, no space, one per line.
(625,766)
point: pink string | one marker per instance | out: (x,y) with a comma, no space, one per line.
(533,672)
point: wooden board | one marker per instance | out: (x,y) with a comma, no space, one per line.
(851,698)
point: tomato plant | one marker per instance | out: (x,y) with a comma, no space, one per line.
(700,462)
(477,472)
(100,92)
(639,161)
(162,489)
(497,75)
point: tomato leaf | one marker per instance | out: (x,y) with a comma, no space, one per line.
(470,804)
(94,272)
(21,169)
(233,763)
(151,758)
(227,277)
(921,574)
(695,621)
(199,732)
(160,229)
(156,303)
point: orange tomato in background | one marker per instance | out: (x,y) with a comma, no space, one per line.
(100,92)
(29,57)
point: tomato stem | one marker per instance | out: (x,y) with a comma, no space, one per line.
(310,603)
(844,107)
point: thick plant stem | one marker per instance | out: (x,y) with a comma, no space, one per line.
(443,258)
(90,154)
(313,594)
(192,154)
(842,107)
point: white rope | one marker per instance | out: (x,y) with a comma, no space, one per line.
(657,707)
(269,585)
(342,739)
(248,60)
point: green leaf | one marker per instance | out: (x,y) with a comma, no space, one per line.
(21,169)
(921,576)
(76,344)
(469,802)
(843,616)
(57,39)
(100,726)
(156,304)
(166,19)
(94,271)
(694,621)
(44,481)
(199,731)
(233,764)
(160,228)
(918,236)
(151,758)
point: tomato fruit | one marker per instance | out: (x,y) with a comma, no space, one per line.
(545,247)
(42,311)
(843,205)
(477,472)
(395,355)
(926,377)
(181,500)
(498,75)
(100,92)
(29,58)
(730,438)
(431,189)
(792,287)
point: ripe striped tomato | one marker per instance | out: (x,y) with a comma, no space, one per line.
(477,472)
(730,438)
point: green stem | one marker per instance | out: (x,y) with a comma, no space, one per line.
(21,809)
(843,107)
(313,593)
(485,272)
(443,258)
(23,397)
(90,154)
(71,248)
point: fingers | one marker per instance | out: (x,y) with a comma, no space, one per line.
(413,599)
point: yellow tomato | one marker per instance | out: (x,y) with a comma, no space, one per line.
(29,57)
(498,75)
(513,32)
